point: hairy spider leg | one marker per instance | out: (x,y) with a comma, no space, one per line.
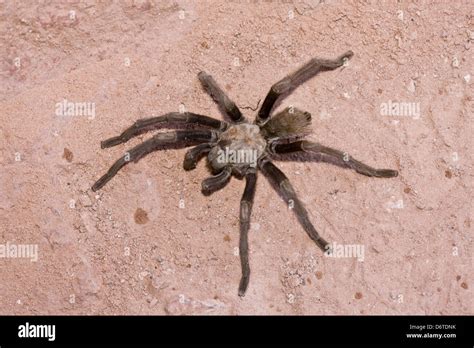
(225,104)
(184,137)
(169,120)
(289,83)
(284,187)
(342,157)
(246,204)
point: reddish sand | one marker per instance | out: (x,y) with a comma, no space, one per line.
(151,243)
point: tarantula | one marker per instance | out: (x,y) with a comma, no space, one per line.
(256,143)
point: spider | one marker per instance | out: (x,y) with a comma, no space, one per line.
(240,148)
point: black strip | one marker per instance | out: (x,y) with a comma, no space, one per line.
(244,330)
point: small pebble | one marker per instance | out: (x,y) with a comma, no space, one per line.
(68,155)
(141,216)
(153,302)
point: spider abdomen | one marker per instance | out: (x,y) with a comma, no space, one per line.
(239,147)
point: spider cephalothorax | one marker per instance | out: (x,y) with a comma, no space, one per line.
(241,148)
(238,148)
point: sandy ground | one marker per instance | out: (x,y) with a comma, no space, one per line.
(151,243)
